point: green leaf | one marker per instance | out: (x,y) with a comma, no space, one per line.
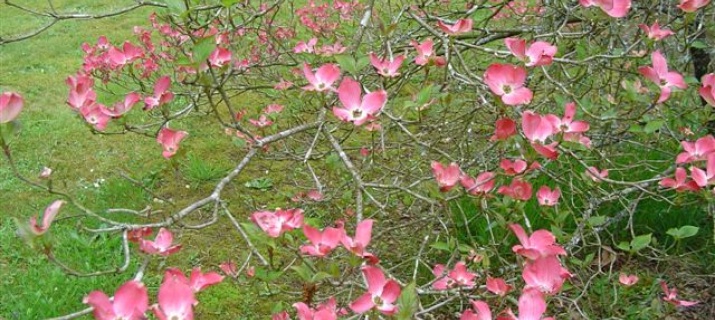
(229,3)
(176,6)
(683,232)
(444,246)
(407,303)
(573,145)
(653,126)
(699,45)
(688,231)
(464,248)
(596,220)
(424,95)
(303,272)
(347,63)
(640,242)
(623,246)
(481,15)
(203,49)
(635,128)
(320,276)
(362,63)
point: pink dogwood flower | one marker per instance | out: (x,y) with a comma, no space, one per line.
(305,47)
(322,79)
(671,296)
(627,280)
(539,53)
(425,54)
(545,274)
(176,299)
(198,281)
(498,286)
(595,174)
(356,108)
(328,50)
(507,81)
(161,95)
(321,243)
(696,151)
(660,75)
(261,122)
(541,243)
(546,150)
(128,54)
(46,173)
(548,197)
(702,177)
(532,306)
(327,310)
(517,190)
(513,167)
(220,57)
(130,302)
(50,213)
(273,108)
(538,128)
(613,8)
(283,315)
(381,293)
(169,140)
(480,311)
(459,27)
(229,268)
(10,106)
(692,5)
(81,93)
(161,244)
(655,32)
(136,235)
(387,67)
(122,107)
(458,277)
(482,184)
(680,182)
(503,129)
(275,223)
(707,91)
(567,124)
(95,115)
(447,177)
(517,166)
(363,235)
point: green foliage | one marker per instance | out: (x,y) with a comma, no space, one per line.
(407,302)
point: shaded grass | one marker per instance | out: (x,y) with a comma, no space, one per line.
(89,166)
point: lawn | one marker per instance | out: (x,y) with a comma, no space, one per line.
(90,166)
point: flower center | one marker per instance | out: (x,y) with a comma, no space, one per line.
(506,89)
(377,301)
(357,113)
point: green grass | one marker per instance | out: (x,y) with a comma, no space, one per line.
(88,166)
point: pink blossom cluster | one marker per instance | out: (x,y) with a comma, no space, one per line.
(175,299)
(323,19)
(542,273)
(700,155)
